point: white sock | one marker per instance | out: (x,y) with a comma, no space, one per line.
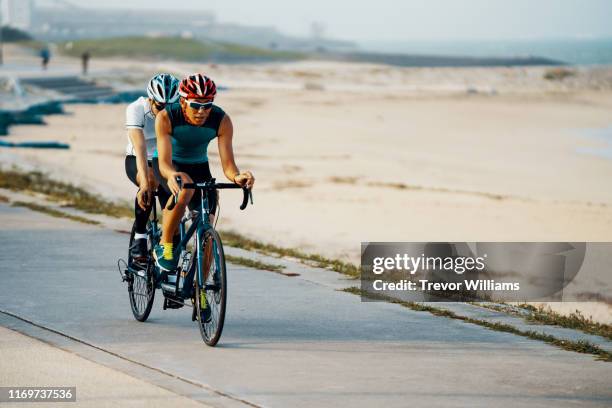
(140,236)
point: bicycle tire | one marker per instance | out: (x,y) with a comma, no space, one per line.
(141,308)
(215,288)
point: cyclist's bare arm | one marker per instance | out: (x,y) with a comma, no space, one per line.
(163,129)
(142,169)
(226,153)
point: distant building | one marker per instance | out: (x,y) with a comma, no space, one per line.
(17,13)
(61,20)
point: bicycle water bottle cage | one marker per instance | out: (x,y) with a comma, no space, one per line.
(190,214)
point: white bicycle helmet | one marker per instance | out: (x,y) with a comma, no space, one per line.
(163,88)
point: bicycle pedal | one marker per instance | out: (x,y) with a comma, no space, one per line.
(172,303)
(123,270)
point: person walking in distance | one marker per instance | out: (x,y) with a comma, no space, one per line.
(85,61)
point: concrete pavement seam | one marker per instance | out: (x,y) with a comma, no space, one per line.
(116,355)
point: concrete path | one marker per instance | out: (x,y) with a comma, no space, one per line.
(288,341)
(27,361)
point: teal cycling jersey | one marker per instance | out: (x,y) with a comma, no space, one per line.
(190,142)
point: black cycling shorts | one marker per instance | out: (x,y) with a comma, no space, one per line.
(131,170)
(199,173)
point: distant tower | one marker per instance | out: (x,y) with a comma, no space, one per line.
(16,13)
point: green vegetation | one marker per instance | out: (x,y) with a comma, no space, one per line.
(558,74)
(66,193)
(580,346)
(234,239)
(53,212)
(574,321)
(184,49)
(80,199)
(252,263)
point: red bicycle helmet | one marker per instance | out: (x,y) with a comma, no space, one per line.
(197,86)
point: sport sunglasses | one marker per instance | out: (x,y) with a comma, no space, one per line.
(197,105)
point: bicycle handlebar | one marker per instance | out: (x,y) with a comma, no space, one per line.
(210,185)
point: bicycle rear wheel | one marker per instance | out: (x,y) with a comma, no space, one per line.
(214,287)
(141,284)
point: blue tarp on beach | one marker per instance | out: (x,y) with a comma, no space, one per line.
(35,145)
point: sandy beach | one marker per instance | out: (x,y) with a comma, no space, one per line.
(345,153)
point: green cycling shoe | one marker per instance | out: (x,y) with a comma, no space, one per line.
(165,258)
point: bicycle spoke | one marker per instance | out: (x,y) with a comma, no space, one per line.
(214,288)
(141,290)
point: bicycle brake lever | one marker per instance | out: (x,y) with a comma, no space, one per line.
(245,198)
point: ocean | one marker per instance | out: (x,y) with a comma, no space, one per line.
(585,51)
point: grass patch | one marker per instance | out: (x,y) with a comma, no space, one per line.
(573,321)
(184,49)
(79,198)
(237,240)
(252,263)
(75,197)
(403,186)
(53,212)
(558,74)
(581,346)
(3,199)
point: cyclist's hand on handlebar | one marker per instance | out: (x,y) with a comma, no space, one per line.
(173,184)
(144,195)
(245,179)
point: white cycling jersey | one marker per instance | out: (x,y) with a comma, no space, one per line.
(138,115)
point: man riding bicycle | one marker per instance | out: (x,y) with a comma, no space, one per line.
(140,115)
(184,131)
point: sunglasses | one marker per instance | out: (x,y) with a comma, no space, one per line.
(197,105)
(159,106)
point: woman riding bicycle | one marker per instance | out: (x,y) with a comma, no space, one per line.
(184,131)
(140,115)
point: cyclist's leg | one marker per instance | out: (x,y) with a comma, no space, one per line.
(199,173)
(163,193)
(141,216)
(170,222)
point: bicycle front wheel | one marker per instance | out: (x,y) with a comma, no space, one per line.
(211,289)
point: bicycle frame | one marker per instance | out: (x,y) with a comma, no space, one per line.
(155,233)
(199,226)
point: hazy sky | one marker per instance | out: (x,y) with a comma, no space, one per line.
(405,20)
